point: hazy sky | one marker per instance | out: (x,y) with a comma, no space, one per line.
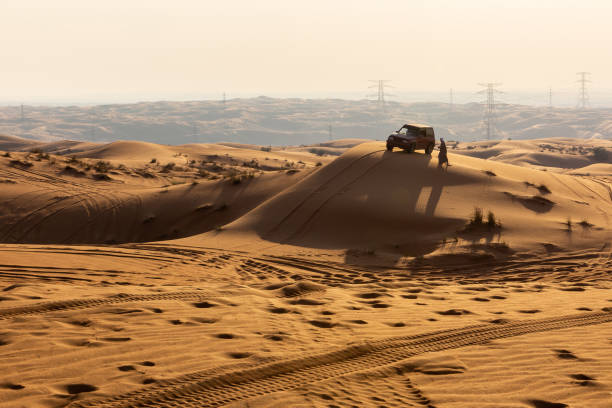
(67,49)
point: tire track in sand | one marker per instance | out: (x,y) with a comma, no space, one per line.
(46,307)
(205,389)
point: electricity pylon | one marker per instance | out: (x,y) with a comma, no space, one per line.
(380,84)
(489,115)
(583,98)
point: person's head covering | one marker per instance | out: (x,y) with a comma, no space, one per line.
(441,139)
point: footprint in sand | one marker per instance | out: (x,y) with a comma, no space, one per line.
(454,312)
(307,302)
(204,320)
(583,380)
(79,388)
(238,355)
(278,310)
(203,305)
(225,336)
(116,339)
(324,324)
(566,354)
(274,337)
(126,368)
(12,386)
(358,321)
(546,404)
(369,295)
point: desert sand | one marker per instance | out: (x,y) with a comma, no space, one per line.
(245,276)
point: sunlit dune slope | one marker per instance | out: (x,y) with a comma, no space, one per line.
(370,198)
(556,154)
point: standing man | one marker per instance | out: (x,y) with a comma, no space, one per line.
(442,156)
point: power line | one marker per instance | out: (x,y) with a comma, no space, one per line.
(489,115)
(380,85)
(583,98)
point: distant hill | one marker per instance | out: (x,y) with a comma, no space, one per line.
(270,121)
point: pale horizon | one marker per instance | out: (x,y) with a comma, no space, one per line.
(133,50)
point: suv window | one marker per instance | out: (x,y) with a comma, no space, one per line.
(402,131)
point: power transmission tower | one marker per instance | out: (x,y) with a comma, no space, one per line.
(583,99)
(330,132)
(380,85)
(22,116)
(550,98)
(223,98)
(489,116)
(451,100)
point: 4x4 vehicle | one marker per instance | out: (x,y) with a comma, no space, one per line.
(411,137)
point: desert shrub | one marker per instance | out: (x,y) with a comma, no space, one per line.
(585,224)
(20,163)
(153,160)
(318,164)
(252,164)
(266,149)
(318,152)
(101,177)
(168,167)
(600,154)
(492,221)
(543,189)
(73,160)
(477,216)
(489,173)
(36,150)
(236,179)
(73,171)
(7,154)
(102,166)
(568,224)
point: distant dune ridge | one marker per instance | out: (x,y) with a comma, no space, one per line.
(136,274)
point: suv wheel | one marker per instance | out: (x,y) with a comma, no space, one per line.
(389,147)
(429,148)
(411,148)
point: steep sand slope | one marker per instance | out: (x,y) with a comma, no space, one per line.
(373,199)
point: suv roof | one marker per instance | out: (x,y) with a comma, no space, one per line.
(417,125)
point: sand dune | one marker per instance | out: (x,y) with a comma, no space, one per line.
(402,204)
(246,276)
(114,193)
